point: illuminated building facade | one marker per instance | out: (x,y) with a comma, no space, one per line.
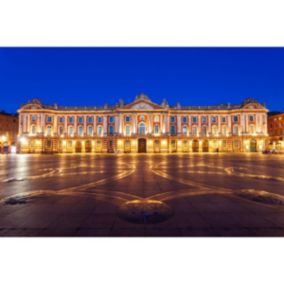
(142,126)
(276,131)
(8,132)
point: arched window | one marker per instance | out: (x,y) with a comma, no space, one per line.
(90,130)
(184,130)
(49,130)
(80,131)
(33,129)
(204,131)
(235,130)
(60,130)
(100,131)
(142,128)
(156,129)
(194,131)
(214,131)
(70,131)
(127,130)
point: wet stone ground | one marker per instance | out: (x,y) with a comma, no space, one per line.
(142,195)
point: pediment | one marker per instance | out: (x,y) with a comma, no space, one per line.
(253,106)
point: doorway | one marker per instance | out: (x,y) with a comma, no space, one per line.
(142,145)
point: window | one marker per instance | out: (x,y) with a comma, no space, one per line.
(194,119)
(34,118)
(156,118)
(127,118)
(251,118)
(194,131)
(214,130)
(49,130)
(80,131)
(61,130)
(111,130)
(251,129)
(49,119)
(61,119)
(127,130)
(100,119)
(224,130)
(90,130)
(214,119)
(235,130)
(80,119)
(235,118)
(156,129)
(173,119)
(100,131)
(71,119)
(184,119)
(33,129)
(142,129)
(70,131)
(204,119)
(173,130)
(204,131)
(90,119)
(224,119)
(184,130)
(111,119)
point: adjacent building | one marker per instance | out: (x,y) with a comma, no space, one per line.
(8,132)
(276,131)
(143,126)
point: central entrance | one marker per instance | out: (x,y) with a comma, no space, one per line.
(142,145)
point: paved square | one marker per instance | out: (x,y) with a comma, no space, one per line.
(142,195)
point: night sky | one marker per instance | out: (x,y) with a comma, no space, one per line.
(95,76)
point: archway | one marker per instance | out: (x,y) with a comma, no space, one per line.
(127,146)
(142,145)
(157,146)
(253,145)
(195,146)
(205,146)
(88,146)
(78,147)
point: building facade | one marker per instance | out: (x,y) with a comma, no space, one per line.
(276,131)
(142,126)
(8,132)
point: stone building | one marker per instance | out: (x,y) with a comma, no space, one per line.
(276,131)
(143,126)
(8,131)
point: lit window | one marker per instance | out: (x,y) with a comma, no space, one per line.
(127,130)
(61,130)
(184,130)
(99,131)
(90,130)
(49,130)
(142,129)
(80,131)
(33,129)
(70,131)
(194,131)
(235,130)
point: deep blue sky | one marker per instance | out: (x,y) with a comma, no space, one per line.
(94,76)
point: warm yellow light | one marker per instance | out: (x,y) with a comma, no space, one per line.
(23,141)
(64,143)
(3,138)
(38,142)
(164,142)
